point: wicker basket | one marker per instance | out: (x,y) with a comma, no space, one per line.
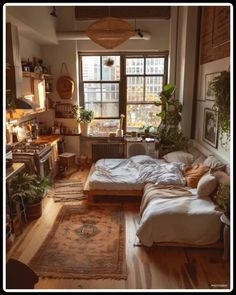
(65,85)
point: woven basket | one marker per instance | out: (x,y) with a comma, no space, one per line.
(65,85)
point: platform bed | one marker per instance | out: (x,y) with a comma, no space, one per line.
(92,193)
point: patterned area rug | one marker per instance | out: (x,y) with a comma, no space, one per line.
(67,190)
(85,242)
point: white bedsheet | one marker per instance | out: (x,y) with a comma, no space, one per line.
(134,173)
(190,220)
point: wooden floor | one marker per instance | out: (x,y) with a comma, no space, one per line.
(148,268)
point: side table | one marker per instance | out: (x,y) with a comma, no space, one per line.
(226,235)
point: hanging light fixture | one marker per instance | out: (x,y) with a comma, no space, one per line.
(110,32)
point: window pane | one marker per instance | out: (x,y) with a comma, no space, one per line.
(111,73)
(153,87)
(134,66)
(92,92)
(110,109)
(142,115)
(95,107)
(135,88)
(110,92)
(102,127)
(155,65)
(91,68)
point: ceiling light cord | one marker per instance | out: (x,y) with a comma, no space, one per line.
(138,31)
(53,13)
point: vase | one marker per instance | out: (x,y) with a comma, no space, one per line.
(33,211)
(84,129)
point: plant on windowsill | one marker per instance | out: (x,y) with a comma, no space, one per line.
(83,117)
(221,87)
(31,190)
(169,133)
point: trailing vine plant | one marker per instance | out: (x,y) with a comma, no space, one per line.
(221,88)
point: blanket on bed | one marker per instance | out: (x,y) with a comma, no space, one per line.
(152,192)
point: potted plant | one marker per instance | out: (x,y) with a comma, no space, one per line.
(169,133)
(32,190)
(221,87)
(83,117)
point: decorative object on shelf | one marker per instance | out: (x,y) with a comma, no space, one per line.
(210,127)
(65,84)
(109,62)
(63,110)
(83,117)
(110,32)
(220,85)
(120,131)
(169,133)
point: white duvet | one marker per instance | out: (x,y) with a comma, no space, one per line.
(191,220)
(134,173)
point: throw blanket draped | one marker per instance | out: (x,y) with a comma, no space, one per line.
(152,191)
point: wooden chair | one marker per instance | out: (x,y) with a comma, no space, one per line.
(19,275)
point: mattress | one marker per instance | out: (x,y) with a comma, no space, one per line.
(189,219)
(132,173)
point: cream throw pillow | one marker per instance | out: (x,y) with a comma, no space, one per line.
(179,157)
(206,185)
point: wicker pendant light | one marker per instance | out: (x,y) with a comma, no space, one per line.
(110,32)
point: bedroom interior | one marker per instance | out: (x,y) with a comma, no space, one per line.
(117,143)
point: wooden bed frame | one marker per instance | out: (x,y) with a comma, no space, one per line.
(92,193)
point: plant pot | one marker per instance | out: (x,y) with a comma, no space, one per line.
(84,129)
(33,211)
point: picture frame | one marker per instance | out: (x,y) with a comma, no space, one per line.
(209,94)
(210,127)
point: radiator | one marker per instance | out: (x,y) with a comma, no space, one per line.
(107,150)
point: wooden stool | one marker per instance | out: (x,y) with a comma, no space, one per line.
(67,163)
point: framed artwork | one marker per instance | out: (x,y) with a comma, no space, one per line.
(209,94)
(210,127)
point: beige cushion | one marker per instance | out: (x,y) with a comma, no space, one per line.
(179,157)
(206,185)
(193,174)
(221,177)
(215,164)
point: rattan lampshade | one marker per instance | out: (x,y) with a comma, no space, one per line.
(110,32)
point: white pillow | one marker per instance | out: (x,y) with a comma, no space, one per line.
(179,157)
(206,185)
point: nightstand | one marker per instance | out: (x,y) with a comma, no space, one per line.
(226,235)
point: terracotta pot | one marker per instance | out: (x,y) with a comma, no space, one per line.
(33,211)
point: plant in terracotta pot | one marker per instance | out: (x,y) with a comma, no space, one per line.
(32,190)
(83,117)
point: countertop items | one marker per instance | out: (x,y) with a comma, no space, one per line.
(52,139)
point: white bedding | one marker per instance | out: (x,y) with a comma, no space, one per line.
(134,173)
(190,219)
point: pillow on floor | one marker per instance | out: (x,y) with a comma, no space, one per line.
(206,185)
(179,156)
(193,174)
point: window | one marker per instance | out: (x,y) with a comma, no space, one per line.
(130,86)
(145,77)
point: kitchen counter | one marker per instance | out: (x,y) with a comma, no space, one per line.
(13,170)
(52,139)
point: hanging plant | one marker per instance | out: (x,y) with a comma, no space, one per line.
(221,87)
(109,62)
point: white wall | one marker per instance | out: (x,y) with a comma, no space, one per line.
(29,49)
(202,103)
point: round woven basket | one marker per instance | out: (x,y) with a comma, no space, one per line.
(65,85)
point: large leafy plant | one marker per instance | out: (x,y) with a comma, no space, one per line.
(169,132)
(221,87)
(82,115)
(28,187)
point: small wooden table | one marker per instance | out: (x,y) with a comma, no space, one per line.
(224,219)
(67,163)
